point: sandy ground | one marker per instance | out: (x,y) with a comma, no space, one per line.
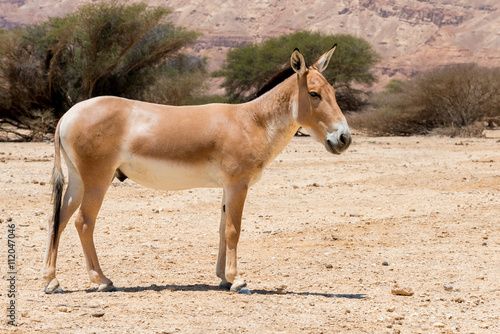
(340,232)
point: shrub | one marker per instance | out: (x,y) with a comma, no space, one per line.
(102,49)
(454,97)
(249,67)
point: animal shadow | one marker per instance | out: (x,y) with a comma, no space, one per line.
(206,287)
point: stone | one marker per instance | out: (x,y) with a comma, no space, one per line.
(63,309)
(448,287)
(281,290)
(402,291)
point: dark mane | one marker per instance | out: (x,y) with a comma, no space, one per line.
(273,82)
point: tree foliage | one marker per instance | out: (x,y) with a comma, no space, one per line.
(105,48)
(455,97)
(247,68)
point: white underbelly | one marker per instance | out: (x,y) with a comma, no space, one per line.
(165,175)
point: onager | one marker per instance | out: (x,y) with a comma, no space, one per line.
(173,148)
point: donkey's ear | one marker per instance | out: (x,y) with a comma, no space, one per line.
(298,63)
(322,63)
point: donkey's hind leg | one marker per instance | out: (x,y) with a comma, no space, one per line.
(71,201)
(85,223)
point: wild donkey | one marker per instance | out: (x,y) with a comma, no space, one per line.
(171,148)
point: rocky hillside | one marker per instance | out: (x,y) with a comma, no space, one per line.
(411,35)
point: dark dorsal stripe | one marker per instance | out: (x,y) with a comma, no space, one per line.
(273,82)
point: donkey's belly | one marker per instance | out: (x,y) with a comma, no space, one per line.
(165,175)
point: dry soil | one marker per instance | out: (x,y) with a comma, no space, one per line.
(326,242)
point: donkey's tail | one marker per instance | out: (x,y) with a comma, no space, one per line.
(57,187)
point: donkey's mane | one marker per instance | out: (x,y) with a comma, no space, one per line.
(273,82)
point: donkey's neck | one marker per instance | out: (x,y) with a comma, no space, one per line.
(274,111)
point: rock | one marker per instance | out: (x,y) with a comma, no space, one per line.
(385,263)
(448,287)
(99,314)
(402,291)
(438,325)
(281,290)
(391,309)
(63,309)
(491,133)
(458,300)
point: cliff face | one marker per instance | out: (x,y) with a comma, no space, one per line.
(411,35)
(438,16)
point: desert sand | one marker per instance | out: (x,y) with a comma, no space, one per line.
(397,235)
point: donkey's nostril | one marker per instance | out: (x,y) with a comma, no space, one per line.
(343,139)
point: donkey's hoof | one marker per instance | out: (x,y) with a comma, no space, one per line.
(106,288)
(53,287)
(241,288)
(225,285)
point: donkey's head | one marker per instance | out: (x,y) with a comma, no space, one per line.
(316,109)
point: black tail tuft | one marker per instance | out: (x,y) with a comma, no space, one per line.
(57,191)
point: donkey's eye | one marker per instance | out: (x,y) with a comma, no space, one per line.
(315,95)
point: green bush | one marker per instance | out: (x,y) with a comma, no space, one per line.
(101,49)
(248,68)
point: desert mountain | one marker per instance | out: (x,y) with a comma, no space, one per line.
(411,35)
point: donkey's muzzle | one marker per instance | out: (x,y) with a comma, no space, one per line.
(338,141)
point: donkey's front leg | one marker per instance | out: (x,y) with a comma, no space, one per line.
(235,196)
